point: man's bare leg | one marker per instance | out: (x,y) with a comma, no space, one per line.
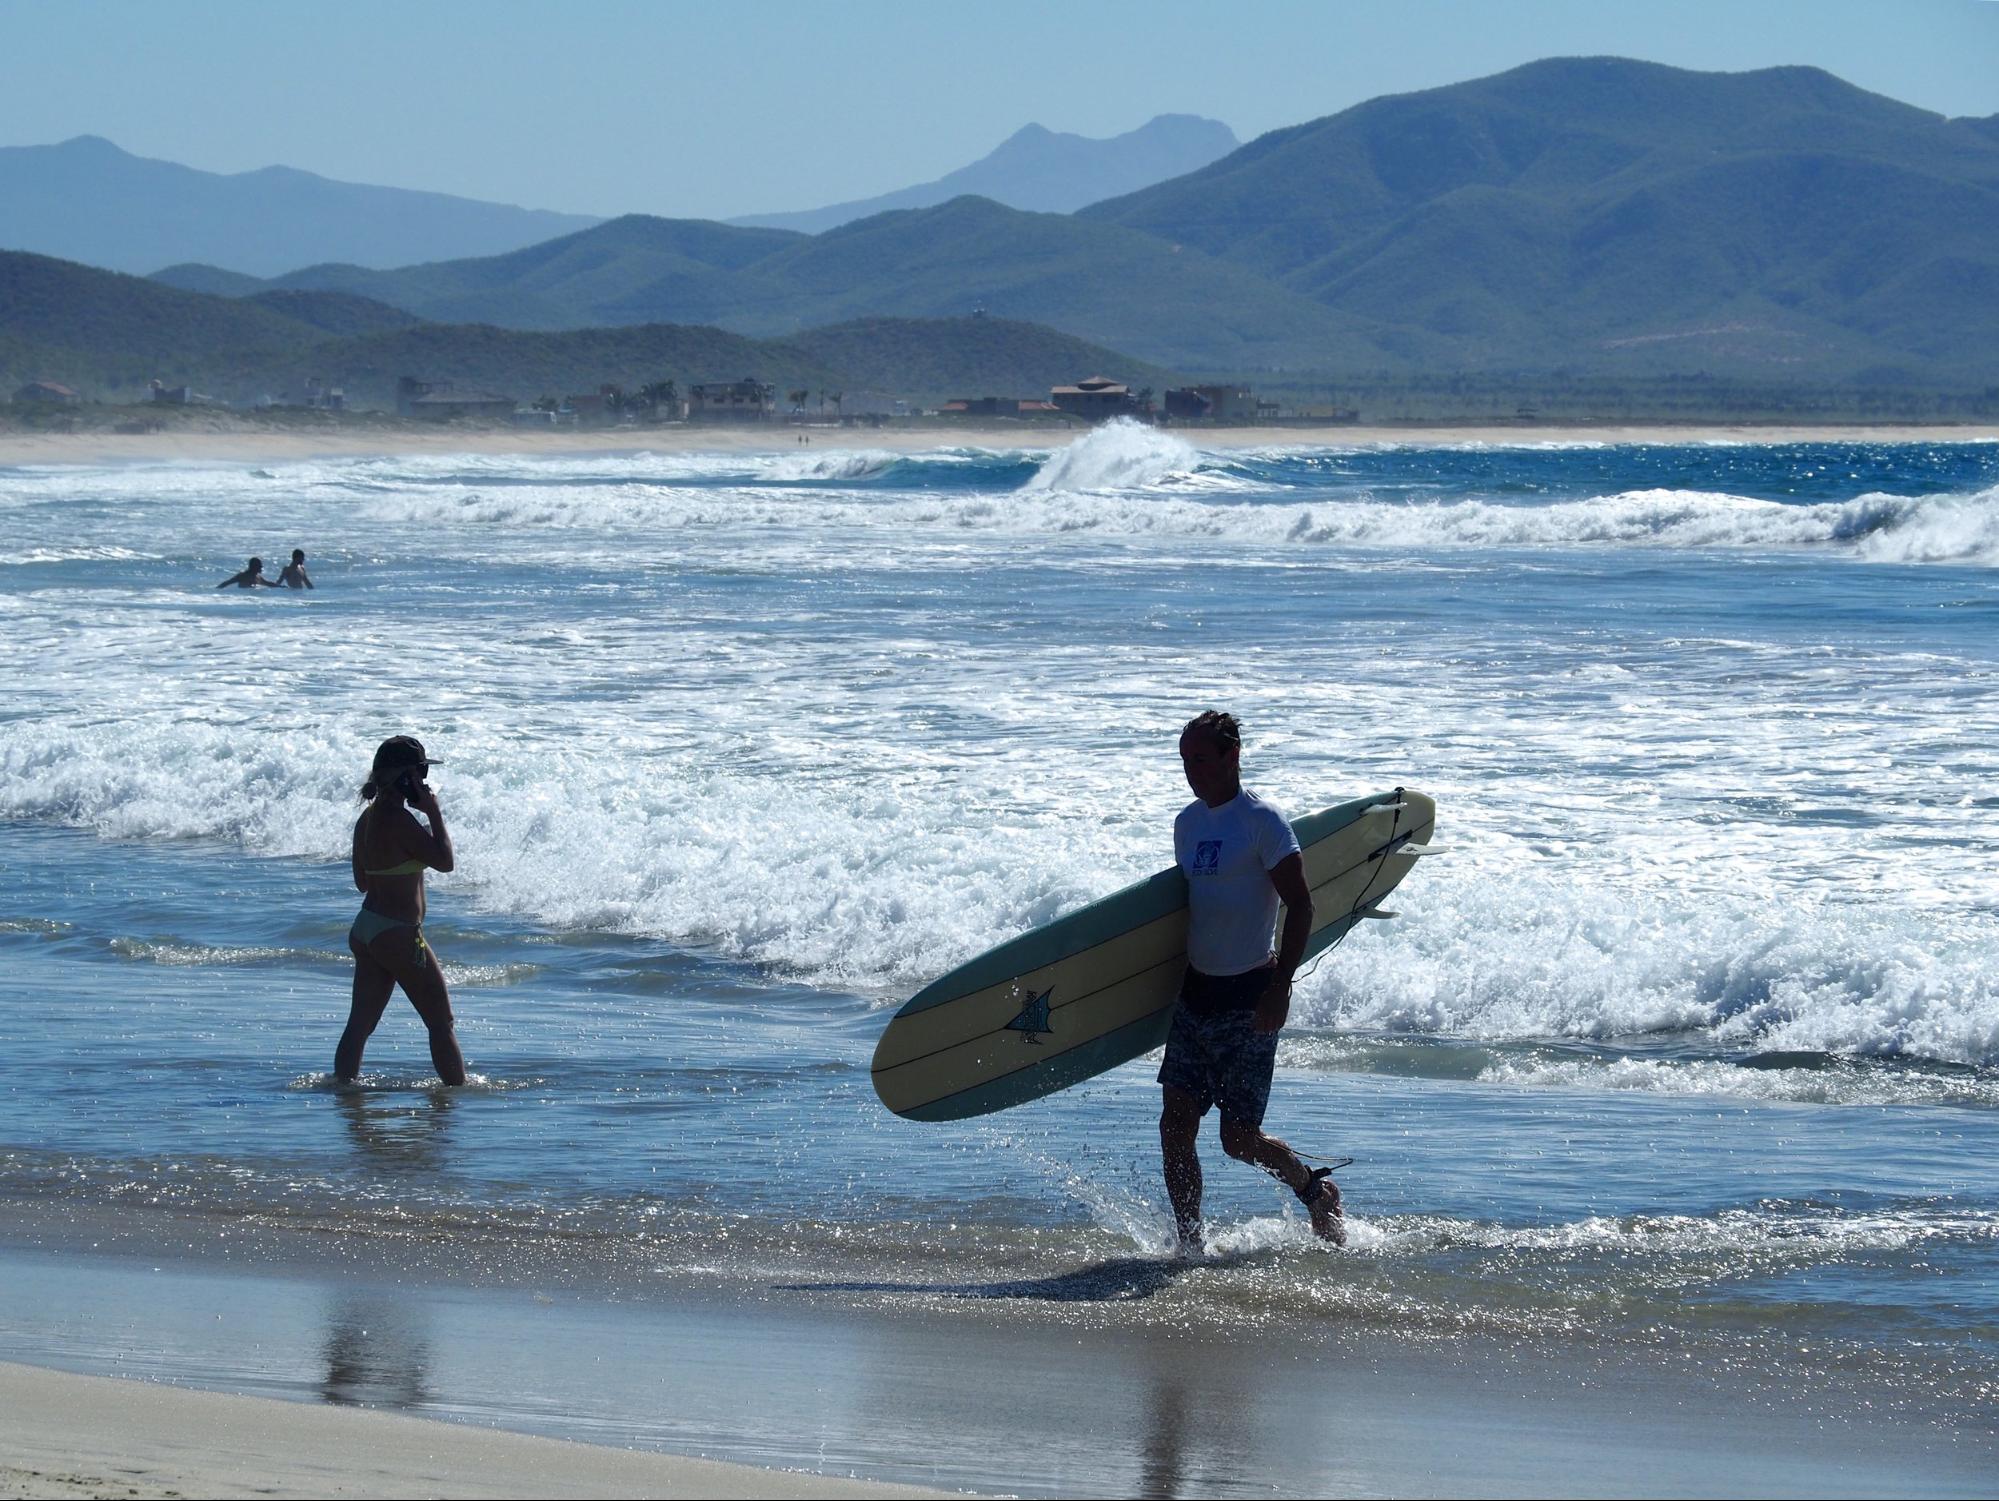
(1246,1143)
(1179,1141)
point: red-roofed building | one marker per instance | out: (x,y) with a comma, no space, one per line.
(46,393)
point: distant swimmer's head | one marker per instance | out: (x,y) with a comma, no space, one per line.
(394,757)
(1211,755)
(256,565)
(298,554)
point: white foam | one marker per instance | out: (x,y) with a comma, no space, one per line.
(1800,1086)
(1120,455)
(1635,851)
(1122,480)
(1779,1233)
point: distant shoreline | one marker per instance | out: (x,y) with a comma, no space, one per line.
(249,445)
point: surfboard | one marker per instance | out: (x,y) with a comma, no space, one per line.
(1096,987)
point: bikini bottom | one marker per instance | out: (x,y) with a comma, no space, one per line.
(370,925)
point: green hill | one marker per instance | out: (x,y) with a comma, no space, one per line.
(945,357)
(103,331)
(1605,214)
(1097,282)
(109,335)
(336,313)
(193,276)
(527,364)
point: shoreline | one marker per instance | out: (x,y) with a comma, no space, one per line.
(65,1434)
(266,1367)
(249,446)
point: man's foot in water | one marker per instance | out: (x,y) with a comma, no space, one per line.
(1324,1206)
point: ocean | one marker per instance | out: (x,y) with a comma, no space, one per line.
(1689,1043)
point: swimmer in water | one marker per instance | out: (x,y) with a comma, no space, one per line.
(391,852)
(293,575)
(249,578)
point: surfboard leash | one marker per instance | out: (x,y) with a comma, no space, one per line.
(1361,901)
(1331,1164)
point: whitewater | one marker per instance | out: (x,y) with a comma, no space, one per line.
(740,750)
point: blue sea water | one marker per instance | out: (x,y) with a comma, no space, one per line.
(1692,1039)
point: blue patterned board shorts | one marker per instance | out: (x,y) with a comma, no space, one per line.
(1219,1058)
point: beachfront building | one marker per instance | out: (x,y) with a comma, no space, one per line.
(181,396)
(745,400)
(46,393)
(981,406)
(1095,400)
(442,401)
(998,406)
(319,396)
(1212,404)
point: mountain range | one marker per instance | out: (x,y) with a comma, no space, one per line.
(87,200)
(1592,216)
(1100,282)
(1043,170)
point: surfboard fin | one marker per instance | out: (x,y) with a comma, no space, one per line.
(1376,912)
(1404,847)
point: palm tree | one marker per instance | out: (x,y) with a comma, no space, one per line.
(661,393)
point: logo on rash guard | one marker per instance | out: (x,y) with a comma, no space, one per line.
(1207,857)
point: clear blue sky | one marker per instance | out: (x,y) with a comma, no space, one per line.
(716,109)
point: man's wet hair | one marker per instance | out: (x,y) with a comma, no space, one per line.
(1222,726)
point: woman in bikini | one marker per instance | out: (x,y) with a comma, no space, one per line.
(391,852)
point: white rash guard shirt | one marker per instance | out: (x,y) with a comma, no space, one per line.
(1227,854)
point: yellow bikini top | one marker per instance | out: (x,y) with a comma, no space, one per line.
(407,868)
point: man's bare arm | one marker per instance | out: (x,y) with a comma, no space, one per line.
(1288,877)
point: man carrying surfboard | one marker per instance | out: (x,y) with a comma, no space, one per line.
(1240,859)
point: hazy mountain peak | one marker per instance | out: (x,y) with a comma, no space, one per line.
(88,199)
(1045,171)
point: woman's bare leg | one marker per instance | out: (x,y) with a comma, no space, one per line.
(404,954)
(373,985)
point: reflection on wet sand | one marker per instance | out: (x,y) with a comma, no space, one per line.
(394,1135)
(376,1350)
(1162,1463)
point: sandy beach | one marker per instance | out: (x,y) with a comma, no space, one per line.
(248,446)
(68,1435)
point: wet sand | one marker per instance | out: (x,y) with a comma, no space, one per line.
(1020,1388)
(68,1435)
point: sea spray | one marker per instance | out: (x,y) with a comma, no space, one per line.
(1120,455)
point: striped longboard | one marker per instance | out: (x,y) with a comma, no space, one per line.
(1093,989)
